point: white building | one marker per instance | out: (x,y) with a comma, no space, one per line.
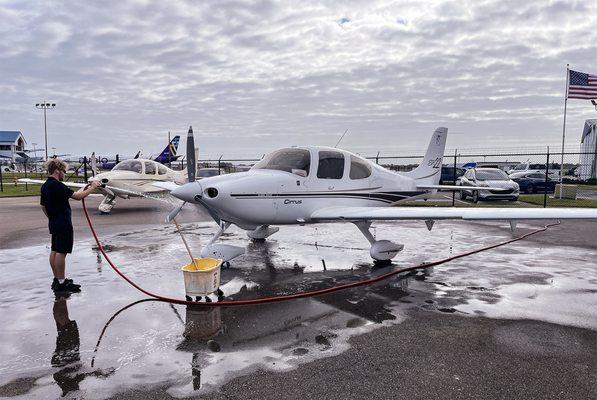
(11,143)
(588,145)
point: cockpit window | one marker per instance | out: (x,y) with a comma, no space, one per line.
(331,165)
(295,161)
(162,170)
(149,168)
(359,169)
(129,165)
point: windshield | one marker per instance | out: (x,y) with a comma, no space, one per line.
(129,165)
(491,175)
(206,173)
(295,161)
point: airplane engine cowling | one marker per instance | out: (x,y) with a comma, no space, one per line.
(384,250)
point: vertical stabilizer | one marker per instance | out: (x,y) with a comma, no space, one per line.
(169,153)
(429,171)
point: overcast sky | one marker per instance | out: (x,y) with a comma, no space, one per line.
(254,76)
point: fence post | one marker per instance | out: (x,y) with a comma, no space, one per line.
(117,159)
(85,168)
(454,177)
(546,179)
(219,164)
(377,158)
(26,186)
(1,182)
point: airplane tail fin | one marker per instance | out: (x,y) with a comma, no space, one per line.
(429,171)
(169,153)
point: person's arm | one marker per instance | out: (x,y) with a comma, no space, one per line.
(43,208)
(82,193)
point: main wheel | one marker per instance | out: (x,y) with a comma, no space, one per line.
(462,194)
(533,189)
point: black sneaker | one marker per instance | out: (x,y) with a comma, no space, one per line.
(68,281)
(66,287)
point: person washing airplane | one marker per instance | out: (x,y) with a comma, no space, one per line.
(54,203)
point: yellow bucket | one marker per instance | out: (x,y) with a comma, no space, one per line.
(202,276)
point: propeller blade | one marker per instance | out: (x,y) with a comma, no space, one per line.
(170,217)
(191,162)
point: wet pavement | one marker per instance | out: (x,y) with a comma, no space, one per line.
(107,341)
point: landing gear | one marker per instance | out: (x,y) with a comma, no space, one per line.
(475,196)
(262,232)
(107,204)
(381,250)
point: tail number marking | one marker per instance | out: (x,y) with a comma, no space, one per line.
(435,163)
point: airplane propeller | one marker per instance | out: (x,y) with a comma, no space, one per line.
(172,214)
(191,171)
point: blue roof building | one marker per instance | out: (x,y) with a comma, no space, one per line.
(11,143)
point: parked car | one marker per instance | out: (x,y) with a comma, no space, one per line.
(207,172)
(533,182)
(491,177)
(554,169)
(447,177)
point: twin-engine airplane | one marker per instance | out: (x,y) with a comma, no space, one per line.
(307,185)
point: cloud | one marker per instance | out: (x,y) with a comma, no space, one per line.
(127,72)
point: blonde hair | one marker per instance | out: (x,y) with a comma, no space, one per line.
(55,163)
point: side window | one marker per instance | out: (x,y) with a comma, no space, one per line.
(331,165)
(149,168)
(359,169)
(162,170)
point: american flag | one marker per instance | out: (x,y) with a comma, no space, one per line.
(582,86)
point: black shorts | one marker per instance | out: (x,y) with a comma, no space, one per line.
(62,242)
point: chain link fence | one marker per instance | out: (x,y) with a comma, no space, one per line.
(544,181)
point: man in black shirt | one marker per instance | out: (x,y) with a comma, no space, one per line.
(54,203)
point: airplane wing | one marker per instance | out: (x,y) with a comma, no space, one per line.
(104,190)
(436,213)
(71,184)
(169,186)
(455,187)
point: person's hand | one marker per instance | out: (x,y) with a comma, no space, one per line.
(95,184)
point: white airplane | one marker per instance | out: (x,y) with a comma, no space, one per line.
(129,178)
(308,185)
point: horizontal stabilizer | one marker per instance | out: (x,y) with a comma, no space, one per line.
(454,187)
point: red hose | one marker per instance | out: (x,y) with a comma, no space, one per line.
(300,295)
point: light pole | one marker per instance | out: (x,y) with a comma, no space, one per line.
(45,106)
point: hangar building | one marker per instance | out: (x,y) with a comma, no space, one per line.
(588,148)
(11,144)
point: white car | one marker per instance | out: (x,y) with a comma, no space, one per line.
(491,177)
(553,173)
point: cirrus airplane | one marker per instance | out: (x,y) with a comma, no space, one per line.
(132,178)
(309,185)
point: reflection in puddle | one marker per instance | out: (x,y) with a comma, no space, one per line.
(50,347)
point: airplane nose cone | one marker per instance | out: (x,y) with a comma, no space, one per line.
(187,192)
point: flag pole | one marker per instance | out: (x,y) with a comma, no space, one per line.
(564,130)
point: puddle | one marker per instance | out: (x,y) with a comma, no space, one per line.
(104,340)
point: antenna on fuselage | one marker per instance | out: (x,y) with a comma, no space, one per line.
(341,137)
